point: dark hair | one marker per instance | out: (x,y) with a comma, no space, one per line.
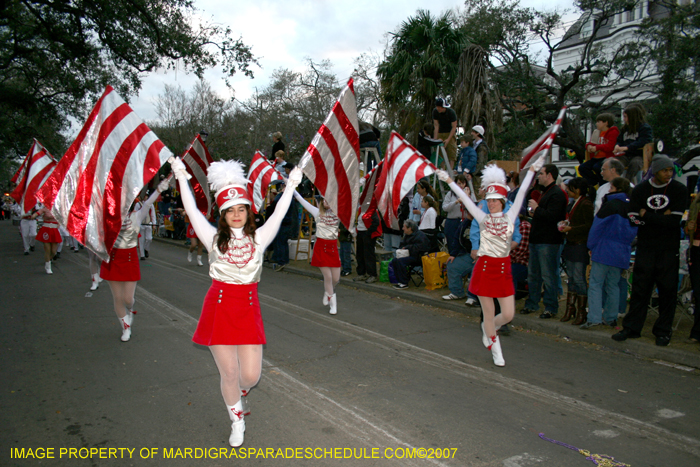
(425,184)
(503,203)
(467,138)
(622,185)
(615,165)
(636,117)
(552,170)
(223,232)
(461,178)
(430,201)
(581,185)
(607,118)
(428,128)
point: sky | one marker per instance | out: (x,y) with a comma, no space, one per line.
(283,33)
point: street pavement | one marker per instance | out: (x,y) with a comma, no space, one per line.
(393,379)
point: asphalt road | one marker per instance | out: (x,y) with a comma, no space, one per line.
(385,382)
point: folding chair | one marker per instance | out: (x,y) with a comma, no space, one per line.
(415,274)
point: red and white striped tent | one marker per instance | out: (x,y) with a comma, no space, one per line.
(96,181)
(260,175)
(335,153)
(32,174)
(197,161)
(403,167)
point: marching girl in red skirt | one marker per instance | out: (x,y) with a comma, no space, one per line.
(195,244)
(230,323)
(48,235)
(491,277)
(123,270)
(325,255)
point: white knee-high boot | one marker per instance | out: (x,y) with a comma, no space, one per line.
(484,338)
(47,267)
(245,407)
(334,304)
(199,260)
(496,351)
(126,322)
(235,412)
(95,282)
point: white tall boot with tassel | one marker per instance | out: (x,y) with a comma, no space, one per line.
(47,267)
(334,304)
(126,322)
(235,412)
(496,352)
(95,282)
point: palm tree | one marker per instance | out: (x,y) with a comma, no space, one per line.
(421,64)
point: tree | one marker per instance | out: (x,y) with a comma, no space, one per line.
(673,43)
(420,64)
(181,116)
(531,90)
(56,57)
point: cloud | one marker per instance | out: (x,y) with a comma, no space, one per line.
(283,33)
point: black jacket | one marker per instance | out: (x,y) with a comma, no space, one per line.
(417,244)
(551,210)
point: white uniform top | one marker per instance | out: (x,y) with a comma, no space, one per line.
(223,267)
(496,230)
(131,227)
(242,262)
(327,225)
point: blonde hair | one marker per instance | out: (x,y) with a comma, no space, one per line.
(280,153)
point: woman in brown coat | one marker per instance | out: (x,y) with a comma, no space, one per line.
(575,254)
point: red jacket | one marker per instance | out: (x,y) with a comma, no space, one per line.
(606,143)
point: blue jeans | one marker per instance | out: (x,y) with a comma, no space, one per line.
(605,282)
(543,268)
(577,277)
(280,255)
(456,270)
(346,256)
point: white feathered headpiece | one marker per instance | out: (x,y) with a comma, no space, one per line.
(493,180)
(229,181)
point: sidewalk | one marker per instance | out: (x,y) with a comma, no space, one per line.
(678,352)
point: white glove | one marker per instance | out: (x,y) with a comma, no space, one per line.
(539,163)
(163,185)
(442,175)
(295,177)
(178,167)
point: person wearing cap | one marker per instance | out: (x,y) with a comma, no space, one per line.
(656,208)
(479,145)
(230,323)
(445,122)
(491,277)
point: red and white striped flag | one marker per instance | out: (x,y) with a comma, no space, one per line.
(261,174)
(32,174)
(403,167)
(543,143)
(94,184)
(197,160)
(335,152)
(371,179)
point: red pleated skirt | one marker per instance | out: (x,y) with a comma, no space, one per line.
(190,231)
(49,234)
(230,316)
(492,277)
(123,266)
(325,254)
